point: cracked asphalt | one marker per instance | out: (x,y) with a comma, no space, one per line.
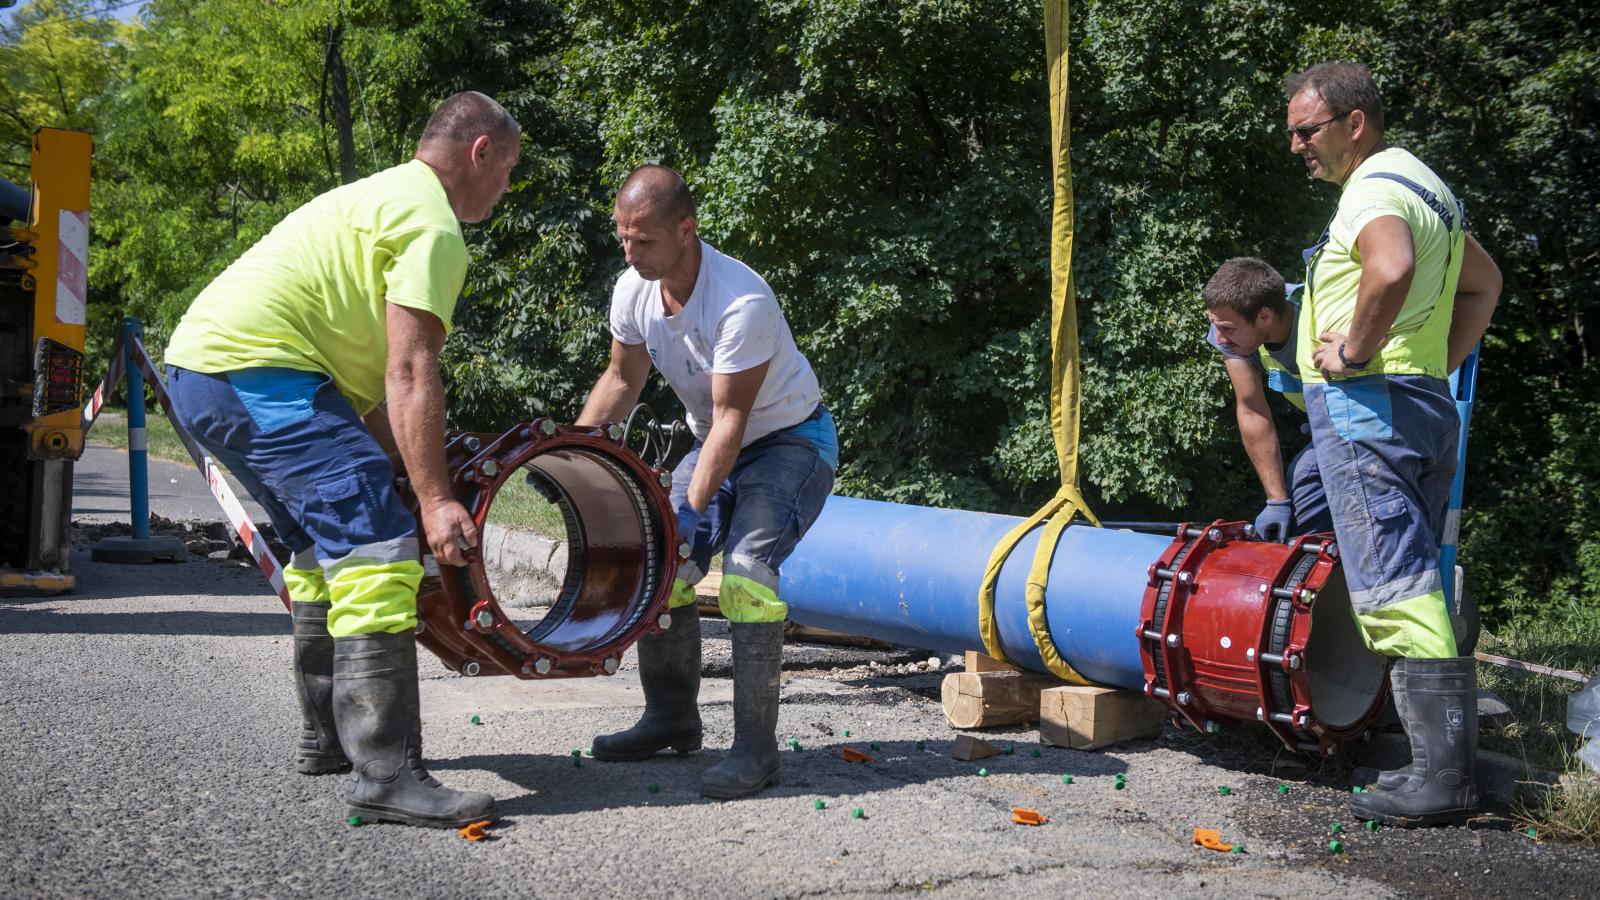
(149,721)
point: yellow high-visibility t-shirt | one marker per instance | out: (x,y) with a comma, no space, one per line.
(1417,343)
(310,295)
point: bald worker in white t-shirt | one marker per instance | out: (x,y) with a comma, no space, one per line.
(762,466)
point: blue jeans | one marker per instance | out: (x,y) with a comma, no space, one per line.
(773,495)
(1311,515)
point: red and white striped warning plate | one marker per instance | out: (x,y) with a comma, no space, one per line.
(72,262)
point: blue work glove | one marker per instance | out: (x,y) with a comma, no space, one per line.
(1273,522)
(688,521)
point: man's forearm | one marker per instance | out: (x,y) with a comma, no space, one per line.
(609,400)
(416,416)
(717,457)
(1261,445)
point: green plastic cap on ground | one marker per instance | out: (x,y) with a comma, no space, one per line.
(1336,846)
(1036,753)
(983,773)
(847,732)
(794,744)
(1336,828)
(1010,750)
(1371,824)
(1358,789)
(353,821)
(1237,848)
(818,804)
(858,813)
(1122,781)
(1066,779)
(588,751)
(1283,789)
(922,745)
(875,746)
(1533,832)
(475,720)
(653,788)
(1224,790)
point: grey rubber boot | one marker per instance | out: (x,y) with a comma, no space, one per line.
(1440,711)
(669,672)
(752,761)
(319,752)
(380,724)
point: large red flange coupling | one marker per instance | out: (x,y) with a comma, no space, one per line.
(1237,629)
(622,543)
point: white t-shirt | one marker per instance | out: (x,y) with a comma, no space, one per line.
(731,323)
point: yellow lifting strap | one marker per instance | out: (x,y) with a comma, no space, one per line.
(1065,395)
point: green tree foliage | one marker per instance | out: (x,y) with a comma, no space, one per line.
(885,166)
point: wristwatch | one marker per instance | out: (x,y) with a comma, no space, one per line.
(1346,360)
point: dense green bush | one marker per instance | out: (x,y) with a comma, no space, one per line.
(885,166)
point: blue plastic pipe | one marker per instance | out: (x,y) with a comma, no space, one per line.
(138,470)
(910,575)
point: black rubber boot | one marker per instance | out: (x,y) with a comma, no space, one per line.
(319,752)
(1438,705)
(380,723)
(1389,779)
(752,761)
(669,672)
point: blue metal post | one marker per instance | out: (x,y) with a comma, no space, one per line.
(1464,387)
(138,471)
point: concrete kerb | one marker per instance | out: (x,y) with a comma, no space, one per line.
(524,568)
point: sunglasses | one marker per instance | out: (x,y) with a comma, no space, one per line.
(1306,132)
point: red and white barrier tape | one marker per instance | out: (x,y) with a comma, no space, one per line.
(231,507)
(108,386)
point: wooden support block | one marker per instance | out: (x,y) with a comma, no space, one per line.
(968,748)
(978,662)
(1088,718)
(984,699)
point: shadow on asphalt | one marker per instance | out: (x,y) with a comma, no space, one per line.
(17,618)
(556,787)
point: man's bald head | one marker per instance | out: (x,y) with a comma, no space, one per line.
(654,190)
(464,117)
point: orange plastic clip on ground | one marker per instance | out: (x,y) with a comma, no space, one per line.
(474,832)
(1211,839)
(851,754)
(1022,816)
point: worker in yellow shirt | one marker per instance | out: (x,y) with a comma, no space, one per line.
(1375,343)
(281,367)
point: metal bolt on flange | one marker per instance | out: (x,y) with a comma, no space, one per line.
(1250,652)
(472,443)
(1183,698)
(489,468)
(547,428)
(1185,577)
(614,431)
(543,665)
(684,550)
(1173,640)
(470,668)
(1212,727)
(611,665)
(1214,534)
(665,621)
(666,480)
(484,619)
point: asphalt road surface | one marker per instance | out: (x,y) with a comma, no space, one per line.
(149,720)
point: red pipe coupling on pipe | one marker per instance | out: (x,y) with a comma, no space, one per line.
(622,554)
(1237,629)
